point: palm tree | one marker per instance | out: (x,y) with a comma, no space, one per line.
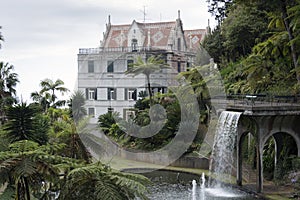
(97,181)
(47,97)
(43,101)
(152,64)
(8,82)
(78,110)
(1,37)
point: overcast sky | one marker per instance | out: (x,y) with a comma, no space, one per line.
(42,37)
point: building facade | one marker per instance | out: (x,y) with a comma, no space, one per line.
(101,71)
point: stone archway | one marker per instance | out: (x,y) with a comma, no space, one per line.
(268,126)
(281,145)
(263,127)
(248,137)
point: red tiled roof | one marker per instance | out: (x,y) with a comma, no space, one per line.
(194,37)
(160,34)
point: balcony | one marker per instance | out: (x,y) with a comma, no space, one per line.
(122,49)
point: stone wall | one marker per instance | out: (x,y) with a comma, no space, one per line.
(163,159)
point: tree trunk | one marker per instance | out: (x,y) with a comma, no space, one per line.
(291,37)
(27,188)
(149,90)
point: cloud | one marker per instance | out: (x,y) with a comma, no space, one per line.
(42,38)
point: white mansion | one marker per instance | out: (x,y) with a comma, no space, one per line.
(101,71)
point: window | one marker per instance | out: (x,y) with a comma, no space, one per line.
(179,66)
(91,94)
(130,94)
(179,44)
(110,66)
(188,65)
(91,112)
(90,66)
(129,63)
(134,44)
(111,94)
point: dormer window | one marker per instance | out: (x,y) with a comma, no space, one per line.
(134,44)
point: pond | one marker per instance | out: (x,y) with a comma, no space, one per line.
(174,185)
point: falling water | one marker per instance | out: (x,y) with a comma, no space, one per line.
(223,150)
(202,190)
(194,190)
(203,181)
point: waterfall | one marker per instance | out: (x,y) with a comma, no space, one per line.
(194,189)
(203,181)
(202,190)
(222,159)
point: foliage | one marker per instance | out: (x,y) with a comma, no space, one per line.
(142,103)
(268,158)
(107,120)
(64,131)
(8,82)
(97,181)
(219,8)
(26,165)
(24,124)
(1,38)
(257,46)
(46,96)
(76,105)
(151,65)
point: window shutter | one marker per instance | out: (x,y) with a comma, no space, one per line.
(115,94)
(87,93)
(126,94)
(108,93)
(134,95)
(95,93)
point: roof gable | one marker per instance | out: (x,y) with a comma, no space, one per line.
(158,35)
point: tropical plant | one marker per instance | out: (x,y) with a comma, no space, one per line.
(8,82)
(97,181)
(78,111)
(24,124)
(46,96)
(1,37)
(65,131)
(29,167)
(151,65)
(107,120)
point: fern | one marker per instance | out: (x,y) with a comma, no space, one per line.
(97,181)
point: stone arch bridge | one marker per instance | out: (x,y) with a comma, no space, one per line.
(263,118)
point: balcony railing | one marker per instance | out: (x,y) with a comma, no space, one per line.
(121,49)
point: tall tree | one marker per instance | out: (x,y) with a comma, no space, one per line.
(78,110)
(1,37)
(152,64)
(47,95)
(219,8)
(8,82)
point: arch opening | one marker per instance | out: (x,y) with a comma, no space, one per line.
(248,149)
(279,152)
